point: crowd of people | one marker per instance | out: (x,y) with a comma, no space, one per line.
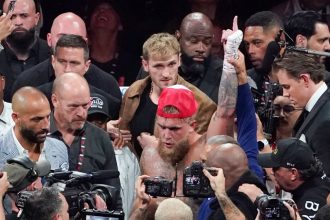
(188,119)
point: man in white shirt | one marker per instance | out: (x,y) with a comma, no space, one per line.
(6,122)
(31,112)
(302,79)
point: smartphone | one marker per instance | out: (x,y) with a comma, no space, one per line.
(11,6)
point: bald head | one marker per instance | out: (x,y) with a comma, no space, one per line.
(70,83)
(31,112)
(66,23)
(231,158)
(196,22)
(27,98)
(196,38)
(71,100)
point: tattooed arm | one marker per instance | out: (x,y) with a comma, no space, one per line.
(222,119)
(228,208)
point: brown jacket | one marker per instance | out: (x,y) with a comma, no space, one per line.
(131,101)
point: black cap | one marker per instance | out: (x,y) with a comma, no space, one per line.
(22,171)
(289,153)
(99,105)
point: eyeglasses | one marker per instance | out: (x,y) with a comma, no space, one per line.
(286,108)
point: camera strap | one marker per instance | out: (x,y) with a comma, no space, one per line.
(81,151)
(176,179)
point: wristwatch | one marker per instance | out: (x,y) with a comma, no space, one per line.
(262,143)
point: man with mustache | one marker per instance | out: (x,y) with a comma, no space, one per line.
(29,135)
(287,115)
(22,48)
(161,59)
(198,66)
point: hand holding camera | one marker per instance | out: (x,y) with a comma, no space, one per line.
(4,184)
(217,181)
(141,193)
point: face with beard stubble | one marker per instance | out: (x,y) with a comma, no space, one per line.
(33,122)
(192,68)
(175,154)
(173,134)
(25,18)
(196,38)
(34,136)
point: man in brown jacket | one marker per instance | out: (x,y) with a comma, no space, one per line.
(161,59)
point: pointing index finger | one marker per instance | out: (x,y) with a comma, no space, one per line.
(235,26)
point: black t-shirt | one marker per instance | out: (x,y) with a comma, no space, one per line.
(144,119)
(311,196)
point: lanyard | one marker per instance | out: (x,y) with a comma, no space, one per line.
(81,152)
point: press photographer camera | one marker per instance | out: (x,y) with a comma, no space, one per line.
(195,183)
(264,104)
(271,207)
(80,189)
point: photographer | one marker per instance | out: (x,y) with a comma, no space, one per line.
(46,204)
(218,185)
(229,202)
(297,171)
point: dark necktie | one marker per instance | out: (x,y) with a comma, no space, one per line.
(300,120)
(305,114)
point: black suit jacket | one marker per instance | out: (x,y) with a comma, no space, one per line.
(43,73)
(38,53)
(316,129)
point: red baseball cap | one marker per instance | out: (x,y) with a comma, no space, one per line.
(181,98)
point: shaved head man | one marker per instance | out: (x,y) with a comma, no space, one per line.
(23,49)
(233,166)
(89,147)
(25,18)
(31,112)
(198,66)
(233,170)
(196,36)
(32,123)
(66,23)
(70,102)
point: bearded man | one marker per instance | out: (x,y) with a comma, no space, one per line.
(198,66)
(22,48)
(31,112)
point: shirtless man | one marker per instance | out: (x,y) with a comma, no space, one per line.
(179,144)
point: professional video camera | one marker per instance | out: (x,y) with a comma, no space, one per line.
(264,104)
(79,188)
(272,208)
(195,183)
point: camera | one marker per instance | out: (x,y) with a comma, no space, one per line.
(271,208)
(79,188)
(195,183)
(264,105)
(158,186)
